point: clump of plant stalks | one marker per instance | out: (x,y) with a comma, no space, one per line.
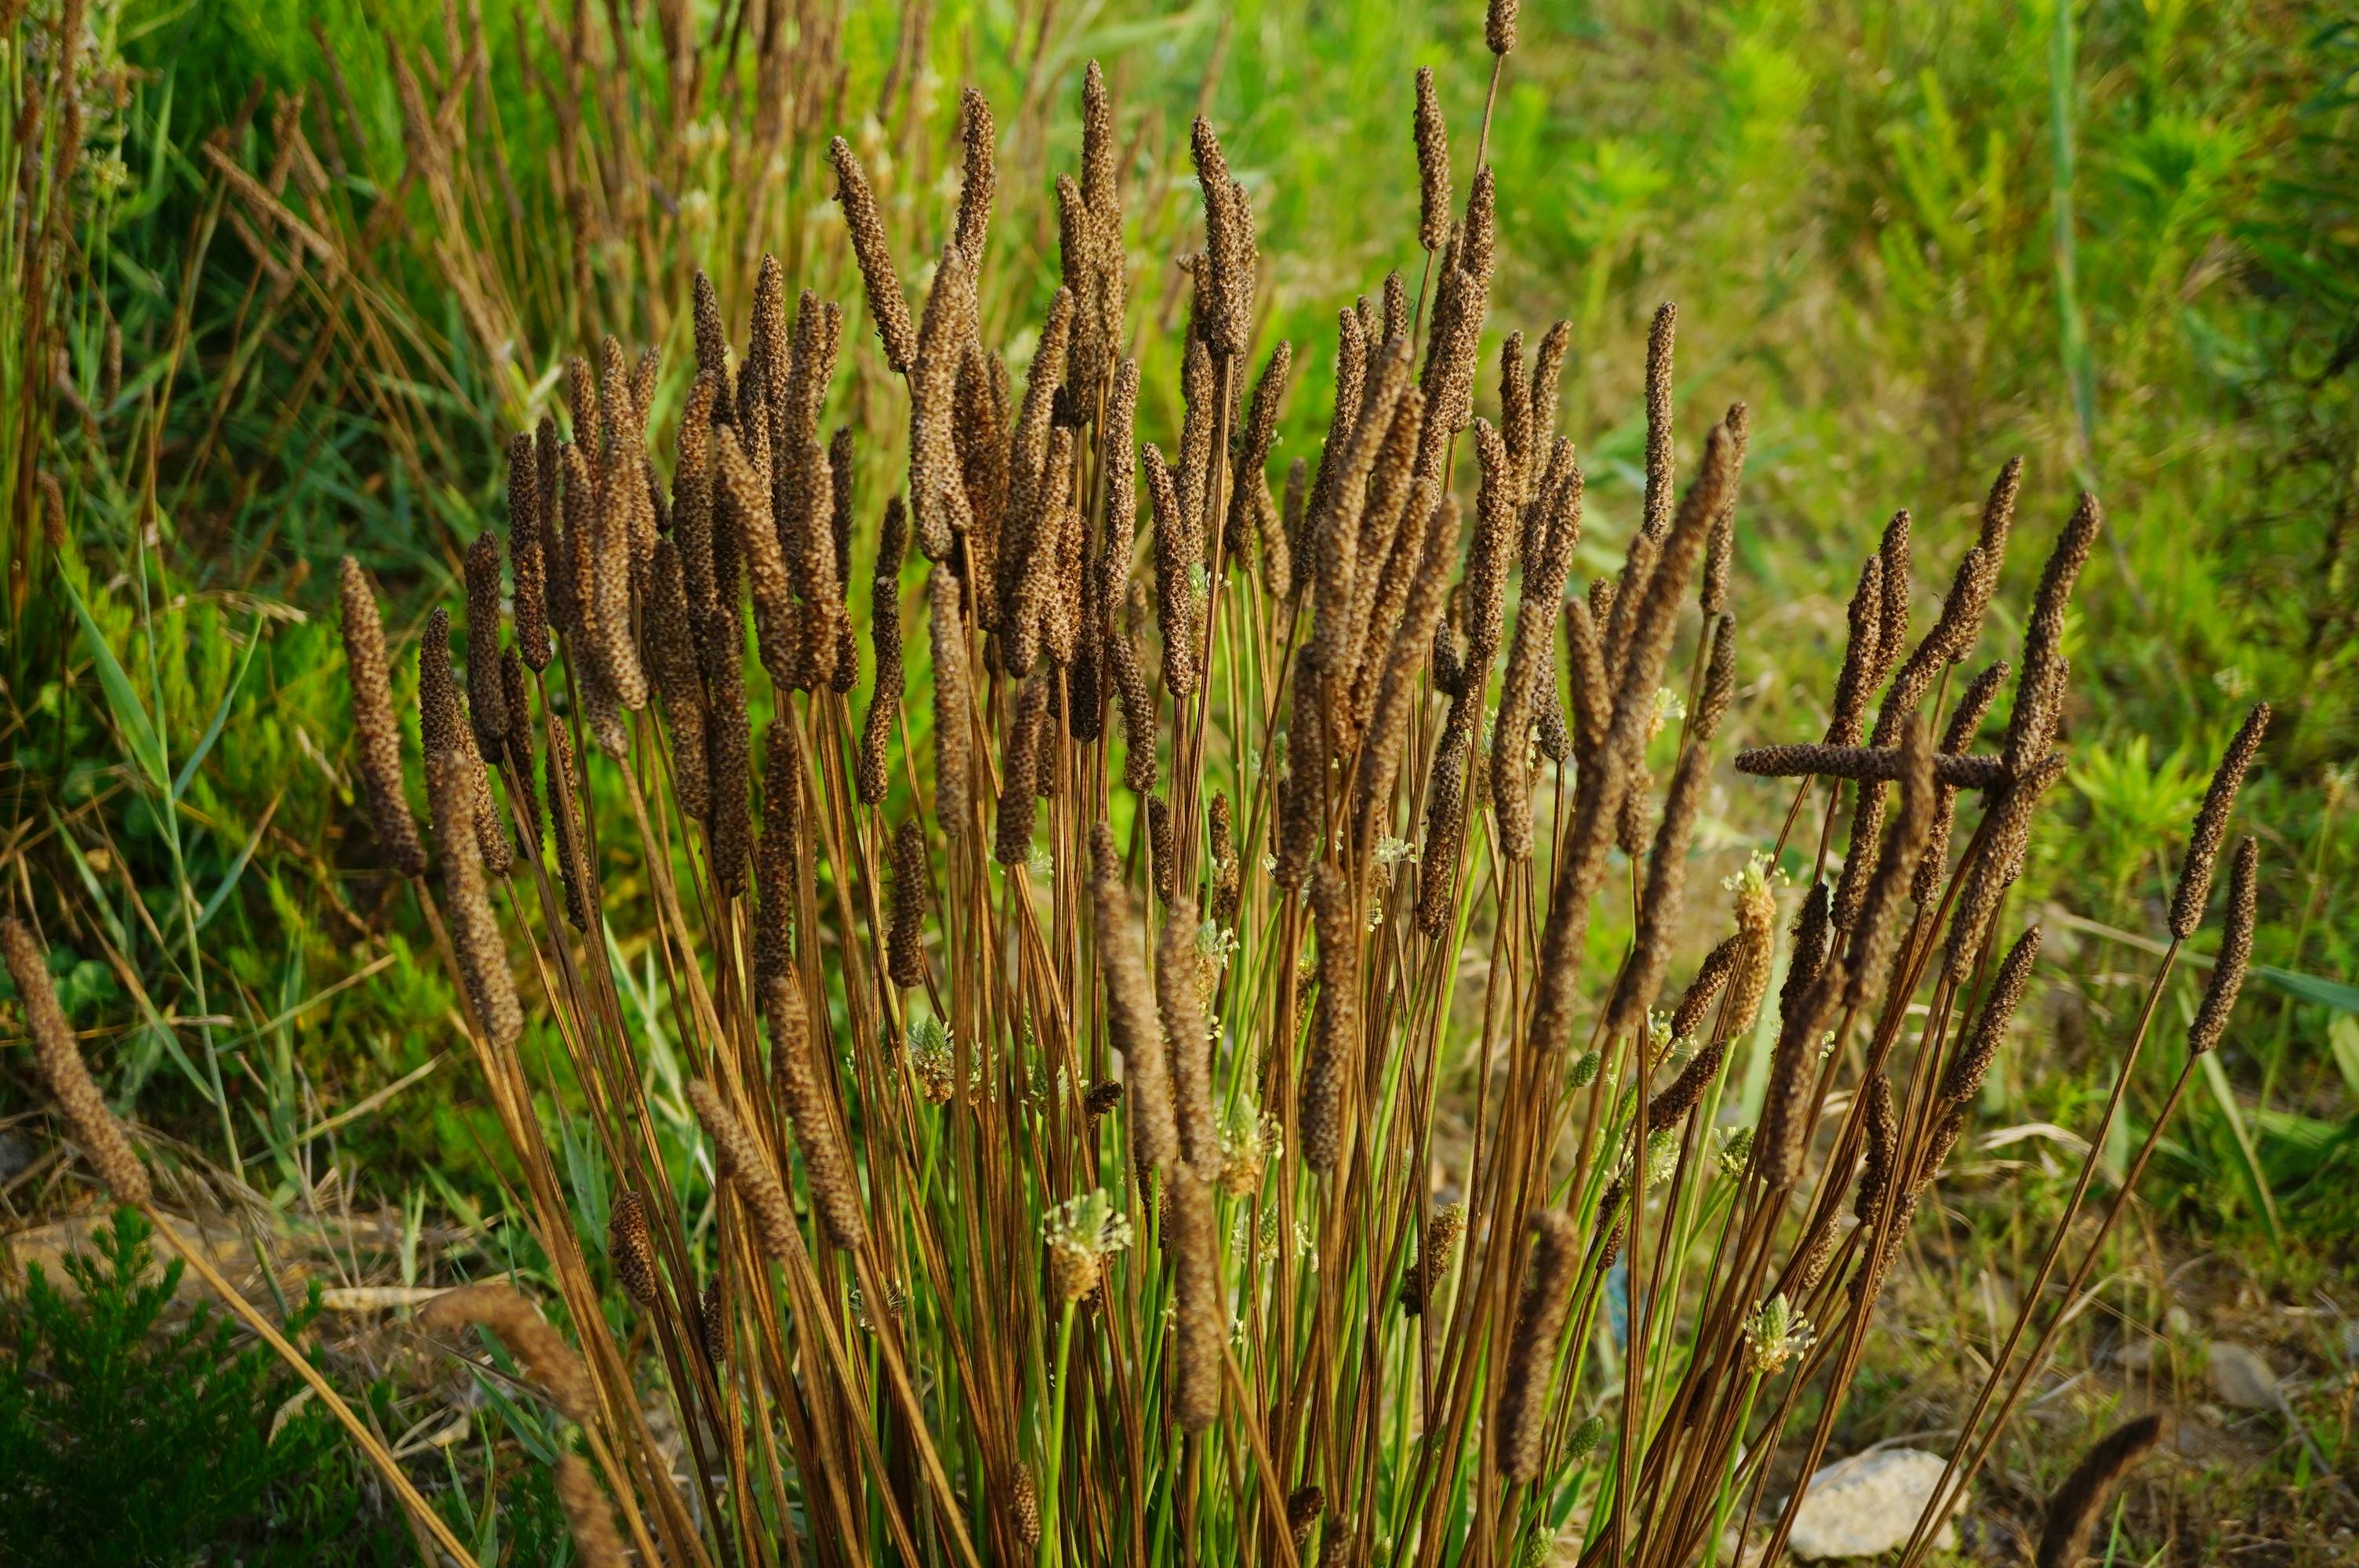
(1064,874)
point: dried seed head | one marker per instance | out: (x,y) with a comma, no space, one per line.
(1883,1142)
(2039,690)
(485,700)
(444,726)
(1955,633)
(2076,1506)
(952,709)
(1964,1078)
(712,1321)
(2236,952)
(1720,550)
(1965,723)
(887,304)
(1876,935)
(474,927)
(671,654)
(1028,739)
(525,553)
(522,796)
(1861,657)
(1303,1507)
(978,134)
(1531,1355)
(1670,1107)
(728,754)
(1892,607)
(778,860)
(1432,164)
(1200,1323)
(2194,889)
(1986,875)
(60,1059)
(596,1543)
(1131,1016)
(1228,244)
(1812,930)
(743,1162)
(627,1246)
(546,1358)
(1710,977)
(1259,431)
(794,1065)
(1335,1028)
(1879,765)
(1661,453)
(1499,25)
(905,949)
(376,734)
(1432,1261)
(1139,711)
(572,858)
(1024,1507)
(1180,997)
(712,333)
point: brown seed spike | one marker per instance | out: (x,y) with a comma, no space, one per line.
(1964,1078)
(1857,678)
(1720,550)
(2235,953)
(547,1358)
(953,742)
(1661,334)
(712,333)
(2195,889)
(906,947)
(596,1543)
(376,734)
(2039,689)
(2073,1510)
(1499,27)
(729,744)
(671,654)
(1892,607)
(1432,164)
(978,134)
(1180,997)
(746,1166)
(1131,1016)
(1199,1323)
(627,1246)
(1334,1028)
(887,304)
(525,551)
(486,701)
(1426,1274)
(474,927)
(522,797)
(1226,244)
(1522,1412)
(60,1059)
(794,1067)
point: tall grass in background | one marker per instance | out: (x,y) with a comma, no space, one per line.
(304,318)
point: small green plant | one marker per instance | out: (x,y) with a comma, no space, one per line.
(127,1440)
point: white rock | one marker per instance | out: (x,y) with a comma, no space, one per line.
(2243,1377)
(1867,1504)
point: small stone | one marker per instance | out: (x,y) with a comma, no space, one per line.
(1867,1504)
(2243,1377)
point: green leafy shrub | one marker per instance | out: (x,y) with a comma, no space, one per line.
(127,1441)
